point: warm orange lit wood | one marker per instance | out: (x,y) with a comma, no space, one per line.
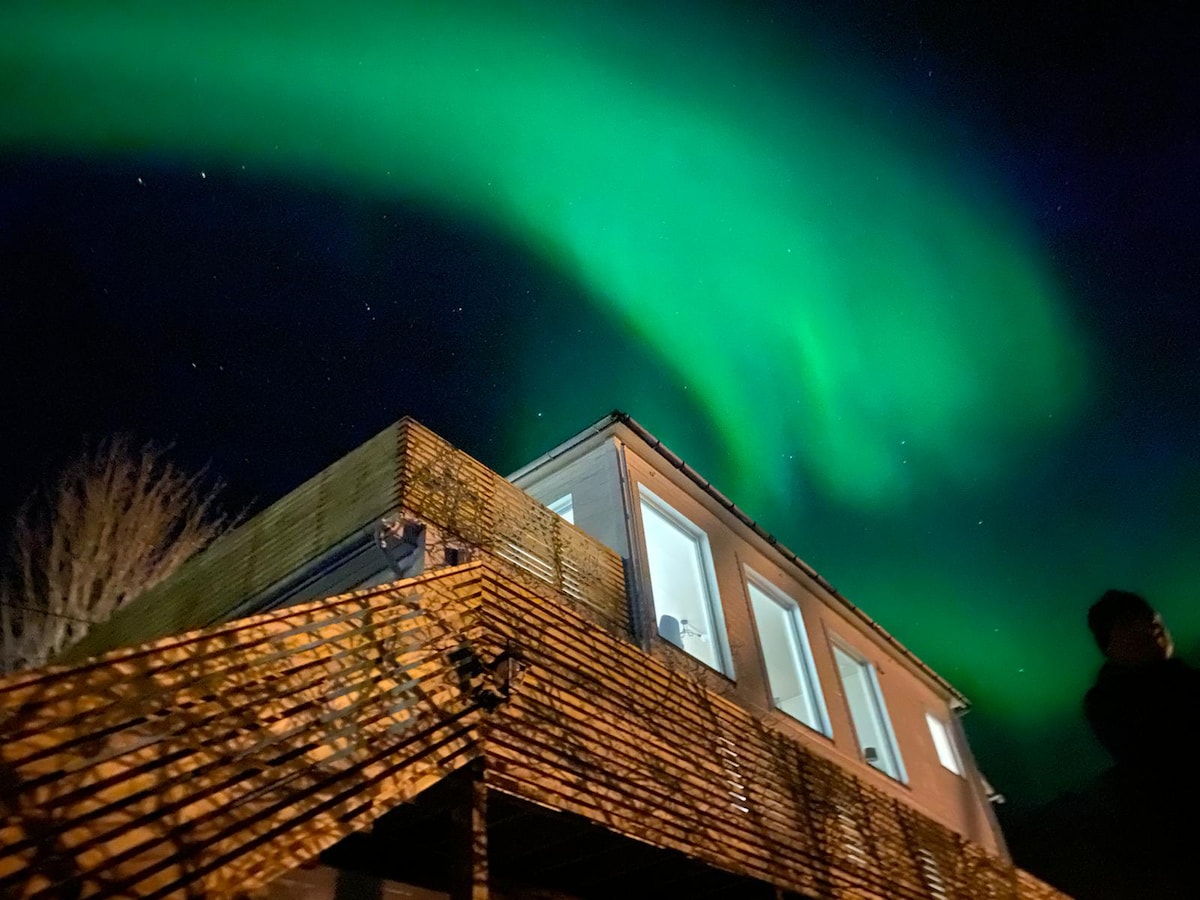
(405,468)
(195,761)
(222,758)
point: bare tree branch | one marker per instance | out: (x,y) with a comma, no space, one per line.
(119,520)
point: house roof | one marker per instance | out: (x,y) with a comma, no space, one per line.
(617,418)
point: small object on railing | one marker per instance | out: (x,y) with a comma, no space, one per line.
(489,683)
(508,670)
(403,544)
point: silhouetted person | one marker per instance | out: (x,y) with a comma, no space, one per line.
(1145,704)
(1145,709)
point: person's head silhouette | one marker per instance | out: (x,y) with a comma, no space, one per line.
(1128,630)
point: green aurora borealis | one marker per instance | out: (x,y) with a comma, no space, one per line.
(813,278)
(831,272)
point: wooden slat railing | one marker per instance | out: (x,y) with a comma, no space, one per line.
(445,486)
(405,467)
(219,759)
(601,729)
(210,764)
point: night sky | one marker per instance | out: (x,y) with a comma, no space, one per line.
(916,287)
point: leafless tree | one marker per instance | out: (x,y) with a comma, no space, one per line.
(119,520)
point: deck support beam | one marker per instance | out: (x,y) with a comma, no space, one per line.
(469,878)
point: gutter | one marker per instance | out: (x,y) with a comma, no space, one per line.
(569,444)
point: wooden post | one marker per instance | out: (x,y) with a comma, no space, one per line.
(469,878)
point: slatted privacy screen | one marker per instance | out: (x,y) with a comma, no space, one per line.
(405,465)
(222,758)
(217,761)
(603,730)
(449,488)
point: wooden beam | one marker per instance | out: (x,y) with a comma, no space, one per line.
(469,879)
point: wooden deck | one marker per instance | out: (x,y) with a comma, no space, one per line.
(211,763)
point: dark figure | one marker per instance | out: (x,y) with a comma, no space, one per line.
(1145,705)
(1145,709)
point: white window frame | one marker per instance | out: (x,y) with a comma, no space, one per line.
(708,575)
(947,749)
(564,506)
(808,667)
(885,719)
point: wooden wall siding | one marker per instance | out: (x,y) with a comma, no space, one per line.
(209,764)
(598,728)
(408,466)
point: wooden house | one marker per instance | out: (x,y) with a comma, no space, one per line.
(413,678)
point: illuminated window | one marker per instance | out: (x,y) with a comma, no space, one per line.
(686,606)
(790,671)
(565,507)
(867,712)
(942,740)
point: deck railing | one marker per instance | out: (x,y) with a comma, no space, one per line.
(405,468)
(208,764)
(448,488)
(214,761)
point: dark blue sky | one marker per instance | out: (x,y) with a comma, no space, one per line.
(266,325)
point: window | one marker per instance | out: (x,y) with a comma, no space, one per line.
(565,507)
(944,743)
(790,671)
(686,606)
(867,712)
